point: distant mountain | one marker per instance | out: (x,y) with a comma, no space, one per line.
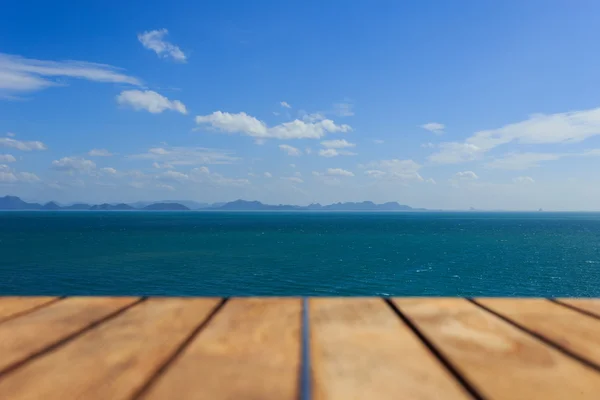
(191,205)
(243,205)
(15,203)
(112,207)
(166,207)
(51,206)
(77,207)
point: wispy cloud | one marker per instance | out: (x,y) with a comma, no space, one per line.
(150,101)
(7,158)
(395,169)
(285,104)
(100,153)
(22,145)
(334,153)
(466,175)
(73,164)
(187,156)
(524,180)
(338,172)
(567,128)
(343,109)
(337,144)
(290,150)
(155,40)
(434,127)
(248,125)
(22,75)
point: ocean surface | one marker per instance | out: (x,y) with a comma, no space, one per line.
(238,254)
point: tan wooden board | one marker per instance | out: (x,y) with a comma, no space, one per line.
(249,350)
(115,359)
(569,329)
(362,350)
(28,334)
(12,306)
(500,360)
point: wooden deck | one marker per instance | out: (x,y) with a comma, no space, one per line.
(291,348)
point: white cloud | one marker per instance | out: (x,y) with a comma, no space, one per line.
(520,161)
(343,109)
(20,75)
(173,176)
(7,158)
(434,127)
(150,101)
(186,156)
(430,180)
(428,145)
(466,175)
(162,166)
(248,125)
(334,153)
(154,40)
(204,175)
(165,186)
(21,145)
(10,134)
(524,180)
(403,170)
(378,141)
(100,153)
(7,177)
(28,177)
(314,117)
(285,105)
(290,150)
(109,170)
(71,164)
(268,175)
(308,150)
(294,179)
(569,127)
(375,173)
(337,144)
(338,172)
(453,153)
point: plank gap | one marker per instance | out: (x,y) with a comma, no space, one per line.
(305,392)
(436,353)
(575,308)
(34,308)
(68,338)
(538,336)
(163,368)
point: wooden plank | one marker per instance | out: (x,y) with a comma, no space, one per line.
(249,350)
(362,350)
(11,306)
(567,328)
(500,360)
(113,360)
(591,306)
(31,333)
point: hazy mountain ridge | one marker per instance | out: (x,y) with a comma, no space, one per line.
(15,203)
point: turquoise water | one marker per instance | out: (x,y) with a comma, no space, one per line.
(203,253)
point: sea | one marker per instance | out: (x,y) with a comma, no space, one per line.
(300,254)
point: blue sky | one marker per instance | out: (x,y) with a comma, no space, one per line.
(432,103)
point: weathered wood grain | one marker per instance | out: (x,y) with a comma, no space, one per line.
(500,360)
(362,350)
(569,329)
(31,333)
(249,350)
(113,360)
(12,306)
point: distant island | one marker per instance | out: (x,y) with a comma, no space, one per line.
(15,203)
